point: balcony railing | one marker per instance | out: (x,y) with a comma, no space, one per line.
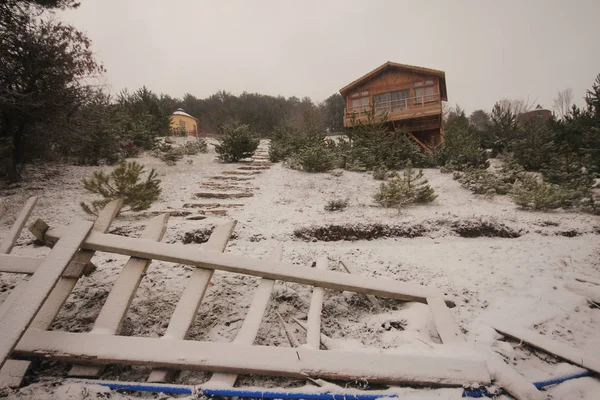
(393,106)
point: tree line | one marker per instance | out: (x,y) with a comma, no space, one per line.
(49,110)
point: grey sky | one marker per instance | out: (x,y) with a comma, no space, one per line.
(489,49)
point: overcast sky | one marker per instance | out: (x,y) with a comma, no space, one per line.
(489,50)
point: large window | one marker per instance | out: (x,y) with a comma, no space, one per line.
(360,103)
(424,91)
(391,101)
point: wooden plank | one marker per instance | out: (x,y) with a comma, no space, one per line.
(63,288)
(182,254)
(513,382)
(561,350)
(187,306)
(28,265)
(9,241)
(351,269)
(435,368)
(17,320)
(19,264)
(112,314)
(256,312)
(445,323)
(313,321)
(16,373)
(505,377)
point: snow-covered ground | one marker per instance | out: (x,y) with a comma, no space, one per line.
(521,279)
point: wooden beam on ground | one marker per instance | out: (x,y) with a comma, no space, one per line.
(182,254)
(19,264)
(112,314)
(63,288)
(445,323)
(434,368)
(256,312)
(28,265)
(561,350)
(351,269)
(505,377)
(187,307)
(23,310)
(513,382)
(313,321)
(9,241)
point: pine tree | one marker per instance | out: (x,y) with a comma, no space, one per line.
(408,188)
(531,192)
(238,142)
(124,182)
(462,144)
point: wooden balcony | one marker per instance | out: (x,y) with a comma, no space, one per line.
(398,110)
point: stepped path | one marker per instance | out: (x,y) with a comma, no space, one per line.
(235,183)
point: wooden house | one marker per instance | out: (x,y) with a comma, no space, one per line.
(410,96)
(180,120)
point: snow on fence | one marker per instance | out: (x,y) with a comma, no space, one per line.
(27,313)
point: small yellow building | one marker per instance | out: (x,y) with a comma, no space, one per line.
(180,120)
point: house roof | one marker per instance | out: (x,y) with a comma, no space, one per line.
(180,111)
(392,65)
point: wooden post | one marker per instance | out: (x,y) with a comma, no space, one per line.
(187,307)
(9,242)
(24,309)
(112,314)
(313,322)
(14,371)
(249,329)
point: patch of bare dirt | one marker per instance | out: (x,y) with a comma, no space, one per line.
(241,172)
(212,205)
(210,195)
(231,178)
(483,228)
(332,233)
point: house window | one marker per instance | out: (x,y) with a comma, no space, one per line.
(360,103)
(360,94)
(424,83)
(391,101)
(182,124)
(424,94)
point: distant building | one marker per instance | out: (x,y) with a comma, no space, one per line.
(180,120)
(538,113)
(411,96)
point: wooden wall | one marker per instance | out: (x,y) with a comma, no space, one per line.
(389,81)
